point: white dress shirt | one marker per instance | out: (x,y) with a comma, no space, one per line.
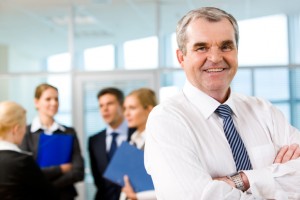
(138,139)
(4,145)
(186,147)
(122,130)
(37,124)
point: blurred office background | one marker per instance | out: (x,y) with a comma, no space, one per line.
(81,46)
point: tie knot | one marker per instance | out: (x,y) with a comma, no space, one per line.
(114,135)
(224,111)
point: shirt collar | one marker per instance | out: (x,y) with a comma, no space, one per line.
(138,139)
(122,129)
(137,135)
(231,104)
(4,145)
(206,104)
(36,125)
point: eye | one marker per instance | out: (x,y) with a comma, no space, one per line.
(202,48)
(227,47)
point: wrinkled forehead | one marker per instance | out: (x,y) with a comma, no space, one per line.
(202,30)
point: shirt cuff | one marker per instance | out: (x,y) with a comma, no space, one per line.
(261,183)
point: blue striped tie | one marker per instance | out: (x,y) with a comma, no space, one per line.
(238,149)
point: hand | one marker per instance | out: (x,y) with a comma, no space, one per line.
(232,184)
(66,167)
(226,180)
(128,190)
(287,153)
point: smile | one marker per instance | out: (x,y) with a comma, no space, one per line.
(215,70)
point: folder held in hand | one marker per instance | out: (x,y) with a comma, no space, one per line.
(54,149)
(128,160)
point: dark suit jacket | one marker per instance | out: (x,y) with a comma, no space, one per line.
(22,179)
(106,190)
(62,182)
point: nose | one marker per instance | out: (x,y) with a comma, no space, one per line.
(215,54)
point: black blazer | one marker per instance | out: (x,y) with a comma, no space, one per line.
(106,190)
(22,179)
(64,183)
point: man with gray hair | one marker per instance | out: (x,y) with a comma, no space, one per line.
(208,142)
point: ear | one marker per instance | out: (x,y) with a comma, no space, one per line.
(15,129)
(180,57)
(149,108)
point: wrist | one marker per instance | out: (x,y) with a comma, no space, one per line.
(245,180)
(237,179)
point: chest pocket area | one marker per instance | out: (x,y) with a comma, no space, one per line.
(263,155)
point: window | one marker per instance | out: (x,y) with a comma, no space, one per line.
(141,53)
(59,62)
(99,58)
(263,41)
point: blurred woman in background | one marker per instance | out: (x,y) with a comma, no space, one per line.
(20,176)
(62,176)
(138,104)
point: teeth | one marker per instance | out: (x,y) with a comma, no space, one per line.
(215,70)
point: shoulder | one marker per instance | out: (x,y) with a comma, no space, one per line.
(16,159)
(28,129)
(68,129)
(101,134)
(174,100)
(173,106)
(251,101)
(254,106)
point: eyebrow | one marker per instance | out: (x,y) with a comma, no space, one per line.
(225,42)
(200,44)
(228,42)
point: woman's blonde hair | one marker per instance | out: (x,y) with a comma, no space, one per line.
(11,114)
(146,96)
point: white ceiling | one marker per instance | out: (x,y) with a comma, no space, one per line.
(39,27)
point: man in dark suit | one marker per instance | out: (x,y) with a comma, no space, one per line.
(102,145)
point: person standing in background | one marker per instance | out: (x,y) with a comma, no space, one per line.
(103,144)
(208,142)
(137,106)
(20,176)
(64,176)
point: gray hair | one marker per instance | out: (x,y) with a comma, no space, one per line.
(211,14)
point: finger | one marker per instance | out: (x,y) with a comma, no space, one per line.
(296,152)
(281,154)
(126,180)
(289,154)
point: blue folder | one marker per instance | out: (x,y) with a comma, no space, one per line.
(54,149)
(128,160)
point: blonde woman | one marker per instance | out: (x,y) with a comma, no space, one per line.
(63,176)
(138,104)
(20,176)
